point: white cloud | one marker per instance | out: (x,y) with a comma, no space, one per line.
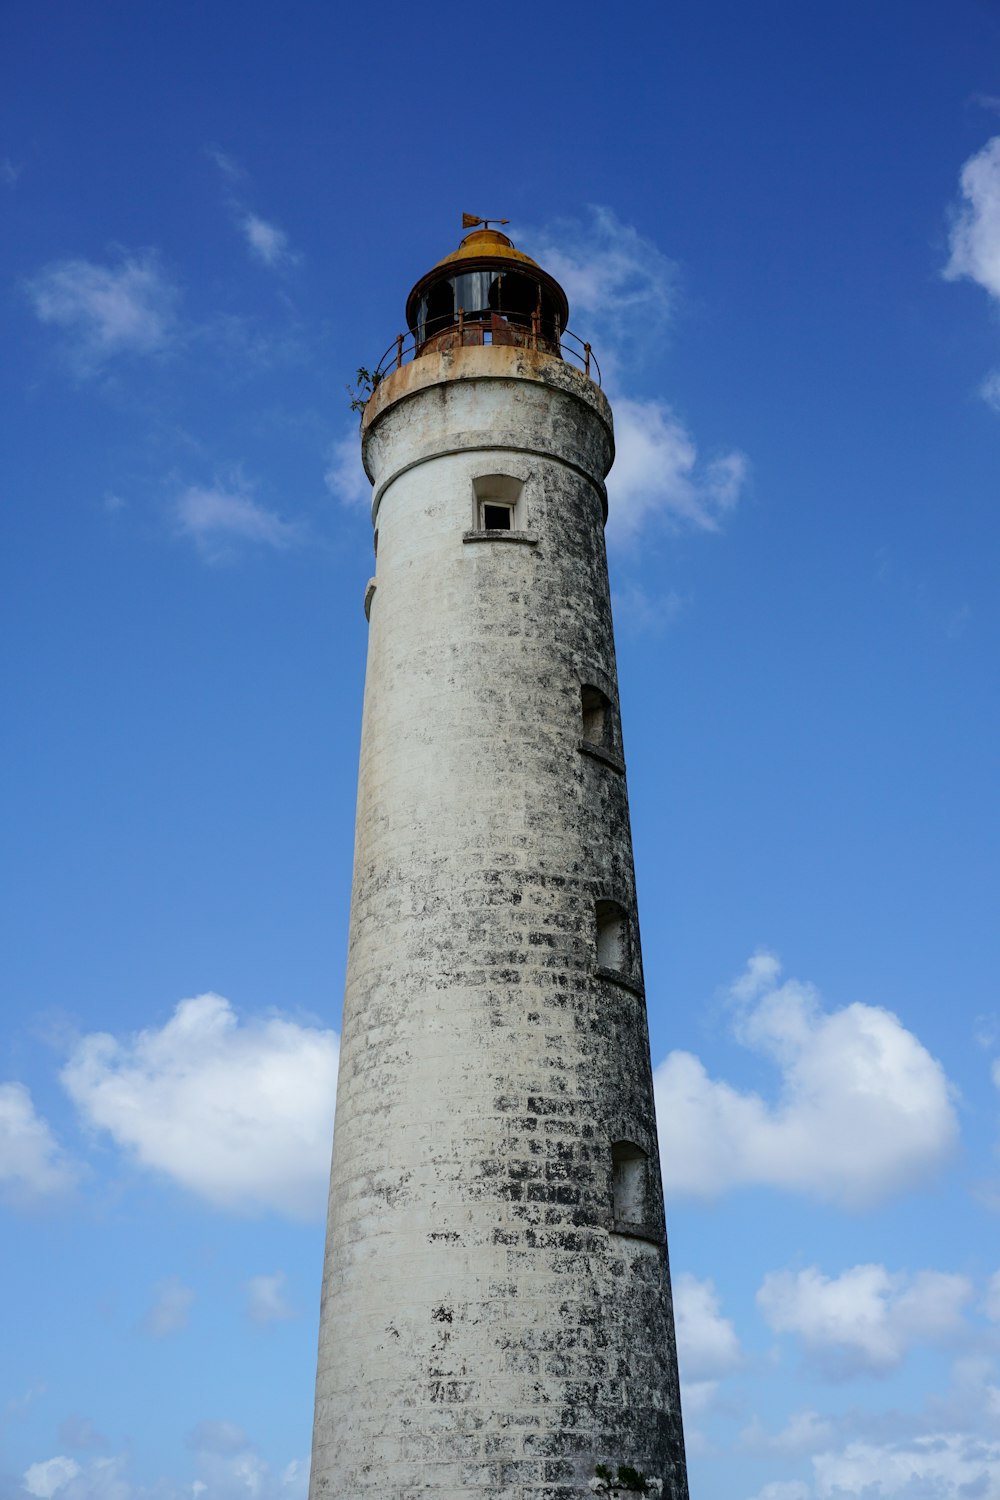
(657,475)
(227,165)
(706,1341)
(991,1303)
(219,519)
(230,1468)
(867,1318)
(267,242)
(990,390)
(784,1489)
(862,1109)
(172,1302)
(267,1300)
(33,1167)
(975,230)
(80,1433)
(638,611)
(47,1478)
(804,1432)
(127,308)
(622,289)
(345,475)
(941,1466)
(622,292)
(224,1471)
(241,1114)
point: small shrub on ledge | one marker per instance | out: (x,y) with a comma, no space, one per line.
(628,1481)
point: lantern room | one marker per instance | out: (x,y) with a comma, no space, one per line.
(487,292)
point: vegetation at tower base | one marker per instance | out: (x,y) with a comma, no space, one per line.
(629,1479)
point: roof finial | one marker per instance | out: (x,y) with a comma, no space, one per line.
(469,221)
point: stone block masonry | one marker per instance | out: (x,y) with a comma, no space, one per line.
(496,1313)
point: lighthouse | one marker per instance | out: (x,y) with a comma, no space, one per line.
(496,1314)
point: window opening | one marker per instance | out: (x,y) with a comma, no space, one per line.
(498,502)
(629,1183)
(612,938)
(497,517)
(598,722)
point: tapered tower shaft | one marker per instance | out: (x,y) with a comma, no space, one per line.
(496,1313)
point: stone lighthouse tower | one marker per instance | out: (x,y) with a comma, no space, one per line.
(496,1315)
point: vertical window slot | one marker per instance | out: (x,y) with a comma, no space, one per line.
(629,1183)
(612,936)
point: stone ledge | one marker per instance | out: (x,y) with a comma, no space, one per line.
(600,752)
(526,538)
(615,976)
(651,1232)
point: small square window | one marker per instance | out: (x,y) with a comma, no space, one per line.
(497,517)
(498,502)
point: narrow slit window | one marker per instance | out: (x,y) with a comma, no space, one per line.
(629,1183)
(612,936)
(498,502)
(598,719)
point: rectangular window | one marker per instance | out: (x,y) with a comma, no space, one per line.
(499,506)
(496,517)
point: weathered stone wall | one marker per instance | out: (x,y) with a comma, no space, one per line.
(487,1330)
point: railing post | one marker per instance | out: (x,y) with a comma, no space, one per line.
(461,327)
(534,329)
(399,350)
(586,359)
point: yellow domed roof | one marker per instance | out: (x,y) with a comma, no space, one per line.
(486,249)
(486,242)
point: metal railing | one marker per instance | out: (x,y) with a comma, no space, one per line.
(477,332)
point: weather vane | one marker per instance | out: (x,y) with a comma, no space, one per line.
(469,221)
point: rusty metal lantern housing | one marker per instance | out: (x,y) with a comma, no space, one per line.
(487,292)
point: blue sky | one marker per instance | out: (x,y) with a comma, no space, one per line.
(779,225)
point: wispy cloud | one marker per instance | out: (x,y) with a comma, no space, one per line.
(10,171)
(172,1302)
(238,1112)
(861,1111)
(622,289)
(345,476)
(267,243)
(975,229)
(267,1299)
(975,238)
(220,519)
(227,165)
(127,307)
(623,295)
(637,610)
(34,1170)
